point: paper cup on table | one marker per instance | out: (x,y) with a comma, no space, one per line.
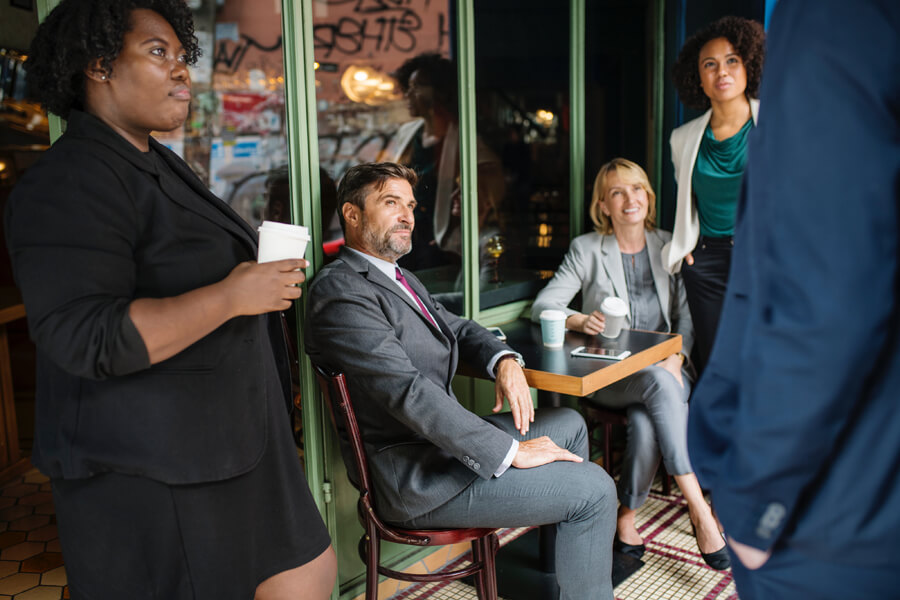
(553,328)
(614,310)
(278,241)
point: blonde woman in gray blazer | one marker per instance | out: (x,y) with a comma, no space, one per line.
(622,258)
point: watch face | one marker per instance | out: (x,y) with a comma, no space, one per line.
(514,357)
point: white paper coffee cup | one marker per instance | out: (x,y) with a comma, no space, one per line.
(614,310)
(278,241)
(553,328)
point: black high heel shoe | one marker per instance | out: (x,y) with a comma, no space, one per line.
(718,560)
(633,550)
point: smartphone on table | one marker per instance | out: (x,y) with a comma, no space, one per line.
(606,353)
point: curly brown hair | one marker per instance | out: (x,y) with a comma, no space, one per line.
(748,39)
(77,32)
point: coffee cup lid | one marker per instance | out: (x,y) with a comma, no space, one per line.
(552,314)
(614,306)
(298,231)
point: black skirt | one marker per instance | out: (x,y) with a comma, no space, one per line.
(130,537)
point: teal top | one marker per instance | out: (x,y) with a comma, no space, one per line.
(716,180)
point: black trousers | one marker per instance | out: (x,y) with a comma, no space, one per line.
(705,282)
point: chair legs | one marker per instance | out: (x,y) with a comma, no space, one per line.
(373,557)
(484,550)
(666,483)
(607,425)
(607,448)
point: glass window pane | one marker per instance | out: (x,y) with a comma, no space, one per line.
(386,91)
(618,88)
(234,138)
(522,98)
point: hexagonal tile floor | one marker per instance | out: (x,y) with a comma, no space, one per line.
(31,563)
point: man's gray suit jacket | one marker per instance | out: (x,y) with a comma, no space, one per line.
(423,446)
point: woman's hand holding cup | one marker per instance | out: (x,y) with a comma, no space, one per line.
(253,288)
(591,324)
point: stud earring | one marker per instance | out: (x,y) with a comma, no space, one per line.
(103,78)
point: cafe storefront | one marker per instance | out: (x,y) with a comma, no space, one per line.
(506,108)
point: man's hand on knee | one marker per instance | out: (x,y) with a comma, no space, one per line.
(540,451)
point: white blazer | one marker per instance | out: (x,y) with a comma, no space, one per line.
(685,144)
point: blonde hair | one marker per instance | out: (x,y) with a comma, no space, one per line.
(628,172)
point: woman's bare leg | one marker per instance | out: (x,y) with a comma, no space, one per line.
(625,529)
(709,539)
(312,581)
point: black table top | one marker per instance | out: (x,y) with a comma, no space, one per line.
(554,369)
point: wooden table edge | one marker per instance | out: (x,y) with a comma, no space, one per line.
(582,386)
(631,365)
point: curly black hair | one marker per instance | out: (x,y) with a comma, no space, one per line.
(78,32)
(748,39)
(434,70)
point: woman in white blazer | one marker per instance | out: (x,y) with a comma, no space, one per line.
(623,259)
(718,69)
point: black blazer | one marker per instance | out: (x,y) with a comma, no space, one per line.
(93,225)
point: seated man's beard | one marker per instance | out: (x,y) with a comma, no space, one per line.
(387,245)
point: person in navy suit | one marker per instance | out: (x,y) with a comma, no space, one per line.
(794,426)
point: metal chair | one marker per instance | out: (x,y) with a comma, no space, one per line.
(484,541)
(596,416)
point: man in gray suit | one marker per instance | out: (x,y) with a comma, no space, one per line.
(434,463)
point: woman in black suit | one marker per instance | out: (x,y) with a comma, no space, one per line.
(163,389)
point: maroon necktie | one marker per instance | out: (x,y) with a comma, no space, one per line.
(415,296)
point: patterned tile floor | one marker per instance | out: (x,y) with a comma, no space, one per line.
(673,568)
(31,564)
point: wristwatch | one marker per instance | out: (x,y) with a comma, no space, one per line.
(513,355)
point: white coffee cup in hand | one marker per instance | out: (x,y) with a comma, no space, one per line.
(614,312)
(278,241)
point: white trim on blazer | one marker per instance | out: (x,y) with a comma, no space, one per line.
(685,142)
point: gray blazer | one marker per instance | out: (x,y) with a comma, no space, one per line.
(423,446)
(593,266)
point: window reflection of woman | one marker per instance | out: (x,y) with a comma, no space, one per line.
(163,395)
(719,69)
(623,259)
(430,145)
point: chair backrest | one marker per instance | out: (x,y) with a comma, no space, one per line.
(337,396)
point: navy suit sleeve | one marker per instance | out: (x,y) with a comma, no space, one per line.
(822,196)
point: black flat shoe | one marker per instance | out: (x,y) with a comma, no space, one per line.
(718,560)
(633,550)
